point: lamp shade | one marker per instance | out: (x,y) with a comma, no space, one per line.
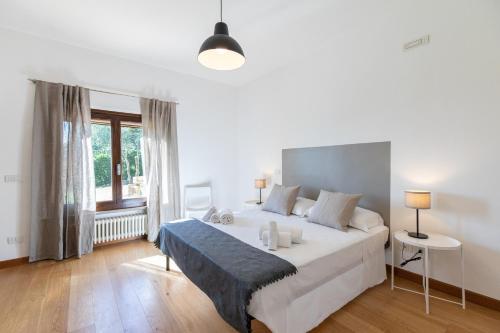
(418,199)
(260,183)
(221,51)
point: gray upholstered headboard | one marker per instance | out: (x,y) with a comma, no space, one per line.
(363,168)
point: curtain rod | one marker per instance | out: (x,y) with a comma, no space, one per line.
(111,92)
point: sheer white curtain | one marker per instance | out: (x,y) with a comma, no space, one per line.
(161,161)
(62,173)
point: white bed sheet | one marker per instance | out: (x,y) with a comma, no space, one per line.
(324,254)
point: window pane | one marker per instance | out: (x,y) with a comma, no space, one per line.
(101,147)
(132,172)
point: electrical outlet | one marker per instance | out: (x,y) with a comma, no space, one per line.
(11,178)
(15,240)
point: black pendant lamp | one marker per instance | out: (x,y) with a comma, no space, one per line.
(220,51)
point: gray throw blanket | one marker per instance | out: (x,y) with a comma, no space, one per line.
(225,268)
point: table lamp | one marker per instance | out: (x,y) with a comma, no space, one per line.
(260,184)
(418,200)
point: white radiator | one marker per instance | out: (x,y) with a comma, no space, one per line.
(119,227)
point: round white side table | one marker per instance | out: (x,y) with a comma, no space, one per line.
(434,242)
(252,204)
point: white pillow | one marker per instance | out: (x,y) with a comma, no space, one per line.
(364,219)
(302,206)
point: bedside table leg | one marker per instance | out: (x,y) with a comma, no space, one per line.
(426,258)
(423,275)
(392,264)
(463,276)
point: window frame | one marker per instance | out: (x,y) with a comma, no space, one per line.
(115,119)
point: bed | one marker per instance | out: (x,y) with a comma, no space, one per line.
(330,267)
(333,268)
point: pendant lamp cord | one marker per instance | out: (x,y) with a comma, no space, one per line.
(221,10)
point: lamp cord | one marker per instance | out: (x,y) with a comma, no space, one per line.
(412,258)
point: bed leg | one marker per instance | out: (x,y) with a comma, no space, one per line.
(168,263)
(249,323)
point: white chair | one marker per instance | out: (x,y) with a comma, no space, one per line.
(197,200)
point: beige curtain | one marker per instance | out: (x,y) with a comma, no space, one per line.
(62,173)
(161,163)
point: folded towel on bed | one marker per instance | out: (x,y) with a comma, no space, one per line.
(272,243)
(226,216)
(284,238)
(296,232)
(208,214)
(215,218)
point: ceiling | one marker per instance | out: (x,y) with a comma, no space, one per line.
(168,33)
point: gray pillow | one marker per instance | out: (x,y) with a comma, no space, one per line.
(334,209)
(281,199)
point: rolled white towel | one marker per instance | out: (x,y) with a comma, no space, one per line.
(215,218)
(272,244)
(296,232)
(208,214)
(226,216)
(284,238)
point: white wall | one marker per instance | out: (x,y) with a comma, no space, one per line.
(204,106)
(439,105)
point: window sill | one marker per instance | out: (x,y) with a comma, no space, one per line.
(123,204)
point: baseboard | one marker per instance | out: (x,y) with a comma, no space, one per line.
(14,262)
(449,289)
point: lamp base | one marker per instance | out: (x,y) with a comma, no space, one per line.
(259,203)
(418,235)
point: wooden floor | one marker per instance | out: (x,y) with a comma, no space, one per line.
(125,288)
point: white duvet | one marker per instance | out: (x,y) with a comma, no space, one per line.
(324,254)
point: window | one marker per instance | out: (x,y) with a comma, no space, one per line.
(118,160)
